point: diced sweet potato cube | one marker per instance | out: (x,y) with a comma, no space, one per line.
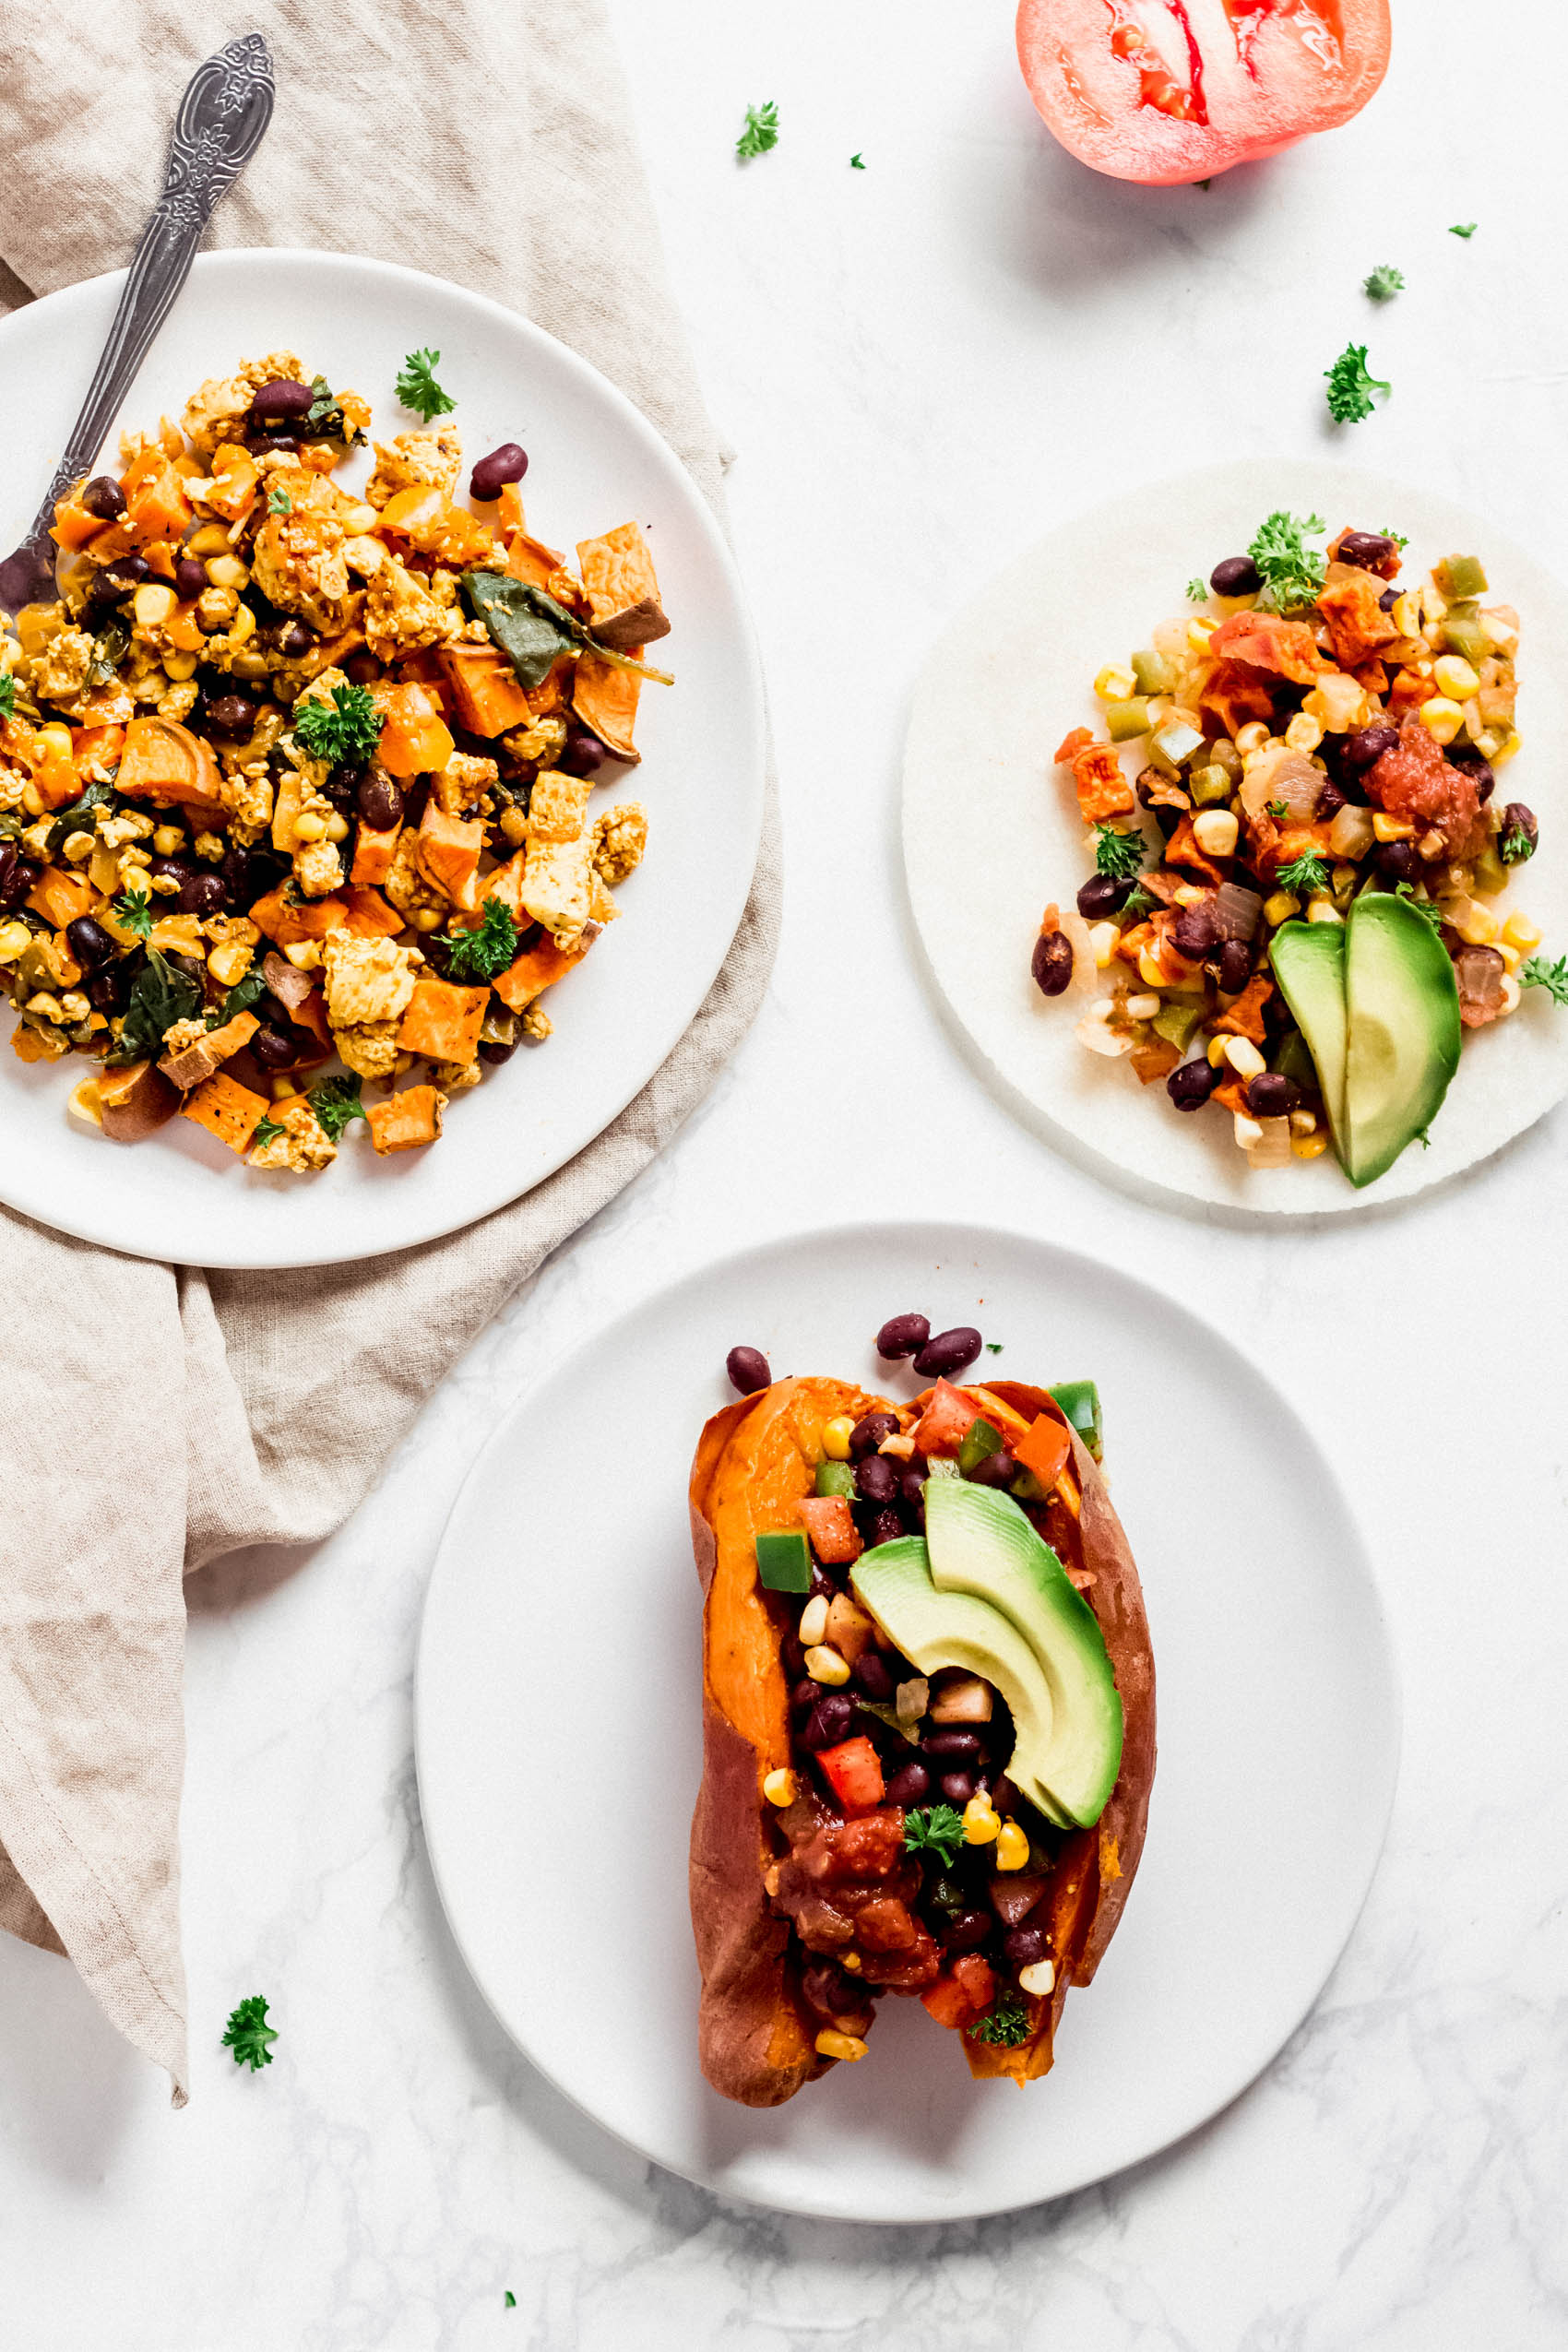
(623,588)
(536,969)
(485,692)
(60,897)
(164,761)
(226,1110)
(134,1101)
(407,1118)
(444,1022)
(288,923)
(373,853)
(370,916)
(1245,1018)
(1102,788)
(448,849)
(198,1062)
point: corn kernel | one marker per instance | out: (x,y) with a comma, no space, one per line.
(1244,1057)
(1252,737)
(1216,831)
(982,1822)
(1249,1134)
(1321,909)
(152,603)
(850,1960)
(167,839)
(33,800)
(847,2047)
(1142,1008)
(1309,1146)
(1115,684)
(1511,959)
(85,1103)
(242,626)
(1279,908)
(55,741)
(1392,828)
(836,1437)
(1512,992)
(1476,924)
(212,539)
(812,1627)
(283,1087)
(427,918)
(1303,733)
(824,1664)
(1187,894)
(1102,943)
(1012,1846)
(779,1788)
(1505,749)
(1216,1051)
(309,828)
(1199,631)
(228,572)
(1303,1123)
(15,939)
(1149,970)
(1405,615)
(1038,1978)
(1434,604)
(1520,931)
(1443,716)
(1455,678)
(180,666)
(304,954)
(337,827)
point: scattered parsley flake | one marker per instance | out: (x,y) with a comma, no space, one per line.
(1426,907)
(7,697)
(1277,809)
(1120,855)
(1398,539)
(1138,903)
(249,2036)
(1292,572)
(995,1346)
(343,731)
(509,2300)
(279,501)
(1516,846)
(488,951)
(336,1102)
(133,911)
(1351,387)
(417,389)
(1538,973)
(1303,874)
(934,1829)
(266,1131)
(1006,2022)
(761,132)
(857,163)
(1385,283)
(1197,590)
(1464,228)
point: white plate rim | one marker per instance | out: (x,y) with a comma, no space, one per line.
(958,1237)
(97,1222)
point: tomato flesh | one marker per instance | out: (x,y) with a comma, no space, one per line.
(1167,90)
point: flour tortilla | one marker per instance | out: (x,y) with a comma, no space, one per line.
(993,834)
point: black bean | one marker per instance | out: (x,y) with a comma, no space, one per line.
(828,1992)
(341,787)
(104,498)
(203,895)
(1003,1795)
(583,754)
(281,398)
(806,1692)
(1190,1085)
(995,1470)
(886,1527)
(871,1674)
(497,1049)
(1051,963)
(190,579)
(193,967)
(231,715)
(747,1368)
(379,802)
(1330,800)
(1388,600)
(1235,576)
(1024,1946)
(869,1433)
(361,668)
(902,1335)
(1271,1096)
(88,943)
(179,870)
(949,1352)
(1369,743)
(957,1787)
(876,1478)
(911,1784)
(830,1720)
(491,475)
(109,991)
(1479,770)
(1195,932)
(294,638)
(967,1931)
(1398,862)
(274,1046)
(1367,550)
(1518,818)
(947,1741)
(1103,896)
(1235,966)
(911,1490)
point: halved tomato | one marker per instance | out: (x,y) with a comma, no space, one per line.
(1165,90)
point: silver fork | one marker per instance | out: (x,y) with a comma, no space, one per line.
(226,109)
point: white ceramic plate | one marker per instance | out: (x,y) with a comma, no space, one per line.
(991,830)
(594,461)
(559,1741)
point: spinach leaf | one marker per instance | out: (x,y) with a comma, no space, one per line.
(78,818)
(160,997)
(324,419)
(533,631)
(240,999)
(109,650)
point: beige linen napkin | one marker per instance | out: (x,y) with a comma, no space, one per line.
(487,144)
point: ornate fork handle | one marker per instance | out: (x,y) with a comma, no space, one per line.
(224,114)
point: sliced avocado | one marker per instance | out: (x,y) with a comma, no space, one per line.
(1309,964)
(981,1543)
(935,1629)
(1403,1005)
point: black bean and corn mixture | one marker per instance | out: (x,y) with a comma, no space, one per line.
(295,778)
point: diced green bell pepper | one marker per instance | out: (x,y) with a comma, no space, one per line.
(1173,743)
(1491,875)
(784,1561)
(1152,672)
(1461,576)
(1463,633)
(835,1477)
(1126,719)
(1292,1058)
(1175,1023)
(1079,1400)
(981,1438)
(1026,1488)
(1210,785)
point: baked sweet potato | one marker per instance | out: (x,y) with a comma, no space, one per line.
(772,1984)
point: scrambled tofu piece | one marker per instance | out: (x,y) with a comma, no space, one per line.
(304,1145)
(557,886)
(401,614)
(211,412)
(456,1077)
(620,837)
(371,1049)
(319,869)
(298,561)
(406,887)
(59,672)
(537,1024)
(183,1035)
(558,806)
(366,980)
(415,458)
(464,781)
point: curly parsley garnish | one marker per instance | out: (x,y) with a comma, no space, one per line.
(1006,2022)
(1385,283)
(486,953)
(343,731)
(1120,855)
(1516,846)
(1538,973)
(133,911)
(1351,387)
(266,1131)
(995,1346)
(336,1102)
(934,1829)
(249,2036)
(279,501)
(1292,572)
(1464,228)
(1197,590)
(1277,809)
(417,389)
(761,131)
(1426,907)
(1303,874)
(7,697)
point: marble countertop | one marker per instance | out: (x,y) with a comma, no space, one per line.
(920,367)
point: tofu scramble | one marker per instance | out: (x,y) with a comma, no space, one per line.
(293,776)
(1317,749)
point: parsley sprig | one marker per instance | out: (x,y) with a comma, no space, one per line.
(1351,387)
(761,131)
(1197,590)
(1303,874)
(343,731)
(934,1829)
(1464,228)
(279,500)
(266,1131)
(1536,972)
(336,1103)
(133,911)
(1006,2022)
(1120,855)
(7,697)
(1516,846)
(1427,909)
(1292,572)
(417,389)
(1385,283)
(249,2036)
(485,952)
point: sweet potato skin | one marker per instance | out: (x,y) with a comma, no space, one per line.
(755,2042)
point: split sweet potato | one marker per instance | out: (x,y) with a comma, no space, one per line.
(623,588)
(160,760)
(605,698)
(443,1022)
(135,1100)
(407,1118)
(754,1473)
(485,692)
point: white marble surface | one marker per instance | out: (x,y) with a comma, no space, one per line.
(919,367)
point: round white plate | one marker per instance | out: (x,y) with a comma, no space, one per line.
(594,461)
(559,1738)
(993,834)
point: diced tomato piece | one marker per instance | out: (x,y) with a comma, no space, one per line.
(854,1774)
(965,1993)
(830,1524)
(1045,1448)
(1265,641)
(1067,749)
(944,1424)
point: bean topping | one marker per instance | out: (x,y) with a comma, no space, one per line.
(1367,550)
(1369,743)
(1051,963)
(190,579)
(491,475)
(1235,966)
(1195,932)
(1518,818)
(948,1353)
(1271,1096)
(995,1470)
(1235,576)
(967,1931)
(747,1368)
(231,715)
(870,1674)
(902,1335)
(830,1720)
(1023,1946)
(869,1433)
(89,941)
(280,398)
(1103,896)
(104,498)
(583,754)
(876,1478)
(1190,1085)
(886,1527)
(948,1740)
(958,1787)
(911,1784)
(380,803)
(203,895)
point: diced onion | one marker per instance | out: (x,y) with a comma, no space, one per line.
(1283,776)
(1237,910)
